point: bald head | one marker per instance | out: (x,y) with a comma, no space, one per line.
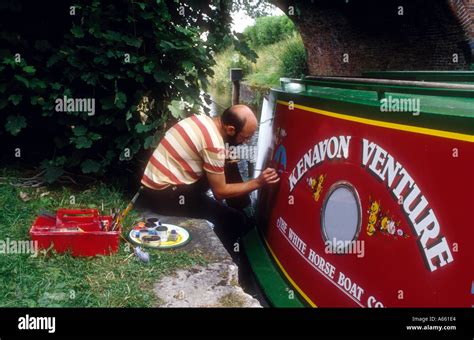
(239,122)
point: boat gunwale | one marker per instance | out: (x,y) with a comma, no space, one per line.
(381,86)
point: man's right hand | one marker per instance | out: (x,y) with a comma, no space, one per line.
(268,176)
(222,190)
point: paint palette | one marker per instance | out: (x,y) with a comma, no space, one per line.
(173,237)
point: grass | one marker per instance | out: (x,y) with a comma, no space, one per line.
(55,280)
(231,300)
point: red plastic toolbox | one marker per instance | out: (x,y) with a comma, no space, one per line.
(76,230)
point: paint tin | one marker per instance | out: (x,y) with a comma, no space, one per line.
(136,233)
(142,232)
(151,238)
(150,225)
(173,235)
(152,220)
(162,232)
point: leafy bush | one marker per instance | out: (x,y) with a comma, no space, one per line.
(267,70)
(269,30)
(286,58)
(280,52)
(294,59)
(130,57)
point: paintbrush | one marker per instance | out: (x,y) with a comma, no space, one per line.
(120,216)
(279,171)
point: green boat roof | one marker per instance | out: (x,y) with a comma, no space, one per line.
(459,77)
(444,106)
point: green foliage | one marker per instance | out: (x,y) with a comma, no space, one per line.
(280,52)
(15,124)
(115,52)
(286,58)
(253,8)
(226,60)
(294,59)
(244,49)
(269,30)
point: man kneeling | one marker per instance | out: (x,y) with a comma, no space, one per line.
(190,158)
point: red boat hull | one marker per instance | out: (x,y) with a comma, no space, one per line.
(409,254)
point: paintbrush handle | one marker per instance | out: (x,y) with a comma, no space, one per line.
(280,171)
(121,216)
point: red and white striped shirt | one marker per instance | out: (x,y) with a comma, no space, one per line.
(189,148)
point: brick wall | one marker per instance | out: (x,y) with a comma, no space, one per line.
(347,37)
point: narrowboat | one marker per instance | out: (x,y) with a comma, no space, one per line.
(377,186)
